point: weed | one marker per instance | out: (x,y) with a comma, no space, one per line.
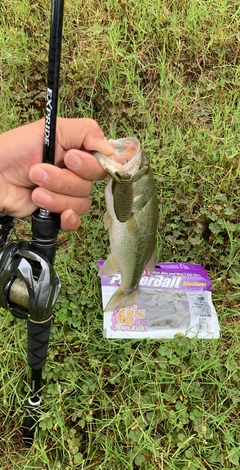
(167,72)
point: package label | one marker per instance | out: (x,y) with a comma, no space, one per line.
(174,298)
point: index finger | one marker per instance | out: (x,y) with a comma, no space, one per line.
(82,133)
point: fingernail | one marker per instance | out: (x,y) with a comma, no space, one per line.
(73,160)
(41,197)
(38,175)
(70,217)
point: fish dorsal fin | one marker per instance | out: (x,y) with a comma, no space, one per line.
(122,190)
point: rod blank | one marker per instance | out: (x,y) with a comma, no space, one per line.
(53,80)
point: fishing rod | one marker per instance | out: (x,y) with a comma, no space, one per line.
(29,286)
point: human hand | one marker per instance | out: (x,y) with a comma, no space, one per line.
(26,183)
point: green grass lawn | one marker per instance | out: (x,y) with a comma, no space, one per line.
(167,72)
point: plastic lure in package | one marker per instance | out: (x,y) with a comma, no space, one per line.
(174,298)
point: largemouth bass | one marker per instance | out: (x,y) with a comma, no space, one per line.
(131,217)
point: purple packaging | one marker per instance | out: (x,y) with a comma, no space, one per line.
(174,298)
(174,276)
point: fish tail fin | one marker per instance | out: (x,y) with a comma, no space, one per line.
(121,300)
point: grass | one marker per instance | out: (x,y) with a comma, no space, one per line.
(167,72)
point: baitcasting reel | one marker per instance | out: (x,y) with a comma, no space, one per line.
(29,286)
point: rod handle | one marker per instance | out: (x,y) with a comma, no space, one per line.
(38,337)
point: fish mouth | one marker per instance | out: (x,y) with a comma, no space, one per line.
(126,156)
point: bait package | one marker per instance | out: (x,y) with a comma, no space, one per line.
(174,298)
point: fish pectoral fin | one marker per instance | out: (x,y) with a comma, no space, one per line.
(151,262)
(107,220)
(108,268)
(131,226)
